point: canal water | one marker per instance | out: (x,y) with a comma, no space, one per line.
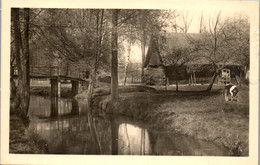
(69,127)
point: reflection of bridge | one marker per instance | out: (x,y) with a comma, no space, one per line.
(55,74)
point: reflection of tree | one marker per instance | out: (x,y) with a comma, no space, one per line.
(152,138)
(142,146)
(114,135)
(128,141)
(132,140)
(93,131)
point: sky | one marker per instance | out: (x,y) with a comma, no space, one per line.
(194,15)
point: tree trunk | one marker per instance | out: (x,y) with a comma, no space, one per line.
(14,101)
(22,61)
(143,44)
(24,107)
(194,77)
(191,79)
(128,61)
(177,86)
(12,83)
(114,66)
(212,81)
(143,56)
(93,75)
(17,42)
(91,88)
(240,78)
(167,83)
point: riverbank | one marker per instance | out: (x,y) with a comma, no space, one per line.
(21,142)
(191,111)
(199,114)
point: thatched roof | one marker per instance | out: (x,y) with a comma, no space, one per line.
(172,40)
(185,42)
(181,43)
(153,57)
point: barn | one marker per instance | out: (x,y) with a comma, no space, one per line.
(158,71)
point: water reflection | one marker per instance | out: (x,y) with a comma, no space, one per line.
(86,134)
(44,107)
(133,140)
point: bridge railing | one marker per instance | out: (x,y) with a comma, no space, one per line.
(55,71)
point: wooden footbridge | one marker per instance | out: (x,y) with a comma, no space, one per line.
(57,74)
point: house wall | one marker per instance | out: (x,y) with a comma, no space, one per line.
(154,75)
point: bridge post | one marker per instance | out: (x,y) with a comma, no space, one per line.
(75,108)
(54,87)
(75,86)
(54,107)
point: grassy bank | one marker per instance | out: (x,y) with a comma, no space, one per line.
(21,142)
(200,114)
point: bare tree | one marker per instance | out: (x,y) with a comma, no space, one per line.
(114,59)
(240,27)
(201,22)
(99,31)
(128,61)
(216,44)
(21,40)
(178,52)
(143,42)
(185,21)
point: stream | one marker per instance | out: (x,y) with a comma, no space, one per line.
(68,127)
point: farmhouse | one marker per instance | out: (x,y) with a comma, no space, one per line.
(184,65)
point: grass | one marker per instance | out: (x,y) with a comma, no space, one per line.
(23,143)
(203,115)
